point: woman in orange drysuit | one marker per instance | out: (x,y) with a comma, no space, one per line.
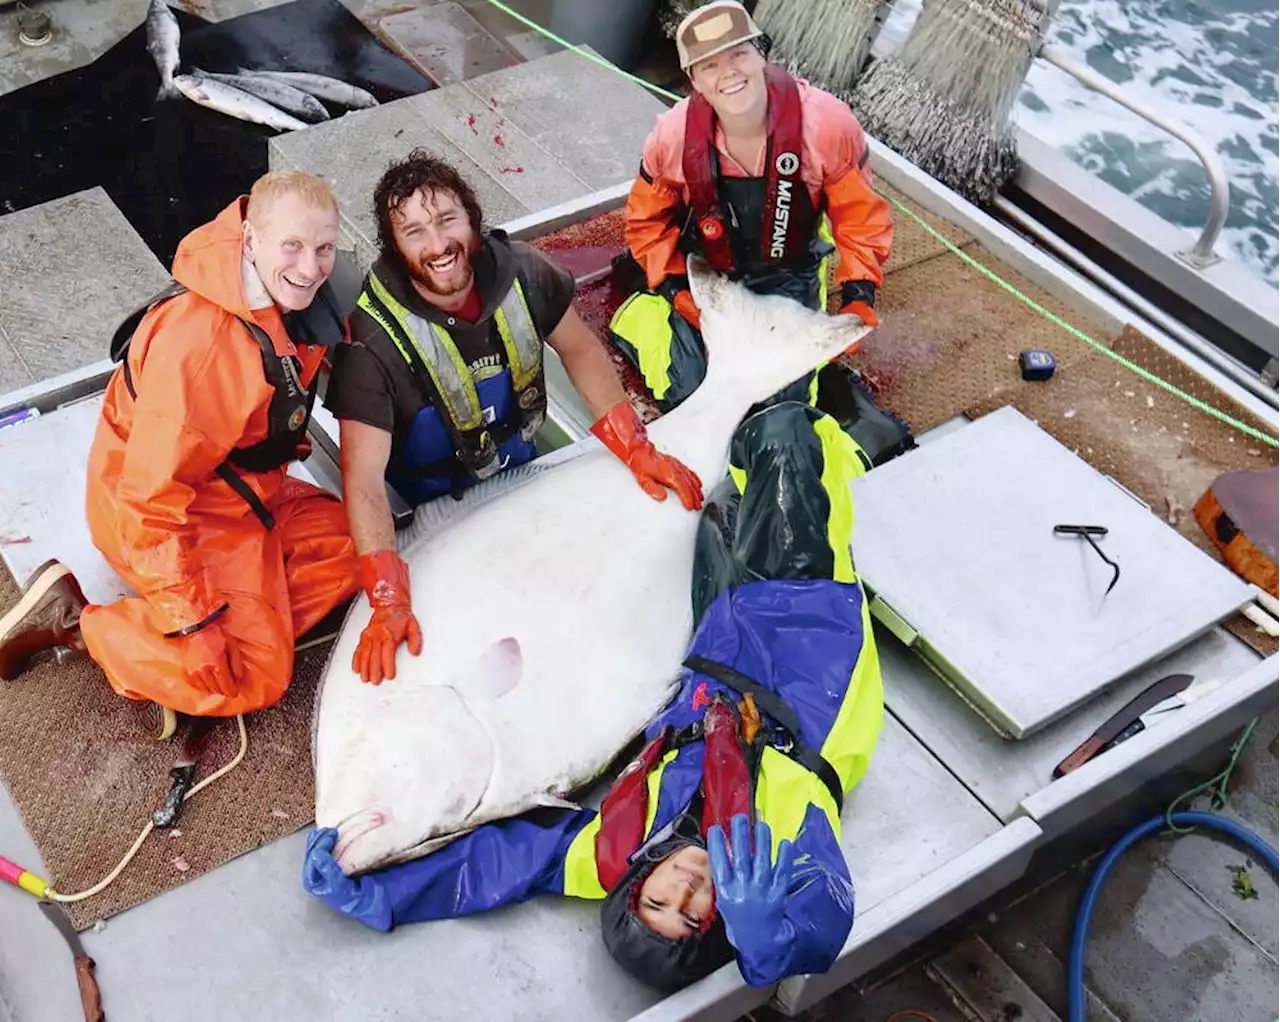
(188,497)
(742,172)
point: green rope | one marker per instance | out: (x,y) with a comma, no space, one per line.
(1150,377)
(1218,800)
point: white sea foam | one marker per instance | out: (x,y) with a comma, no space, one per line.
(1214,70)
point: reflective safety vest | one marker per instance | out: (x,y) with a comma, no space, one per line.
(448,385)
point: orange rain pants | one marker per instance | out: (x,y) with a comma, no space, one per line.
(176,533)
(277,584)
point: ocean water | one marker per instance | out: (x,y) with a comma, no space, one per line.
(1212,64)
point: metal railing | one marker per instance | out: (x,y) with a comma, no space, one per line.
(1201,254)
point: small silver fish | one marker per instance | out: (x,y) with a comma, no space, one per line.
(321,86)
(163,36)
(292,101)
(231,101)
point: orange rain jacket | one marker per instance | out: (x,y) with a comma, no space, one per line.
(180,536)
(832,164)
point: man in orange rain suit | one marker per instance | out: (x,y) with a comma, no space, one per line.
(742,171)
(188,497)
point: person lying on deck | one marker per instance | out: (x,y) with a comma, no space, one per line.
(775,720)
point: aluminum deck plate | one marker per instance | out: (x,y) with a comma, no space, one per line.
(265,949)
(956,538)
(1001,772)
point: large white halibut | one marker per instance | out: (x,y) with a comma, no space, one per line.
(555,614)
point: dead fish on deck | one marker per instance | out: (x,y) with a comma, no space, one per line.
(163,36)
(234,103)
(331,90)
(292,101)
(547,651)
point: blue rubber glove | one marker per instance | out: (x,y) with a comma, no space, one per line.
(364,898)
(751,894)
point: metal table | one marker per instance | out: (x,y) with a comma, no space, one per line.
(956,539)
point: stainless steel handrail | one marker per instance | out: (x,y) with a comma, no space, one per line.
(1201,254)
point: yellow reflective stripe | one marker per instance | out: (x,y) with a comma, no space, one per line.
(813,390)
(824,267)
(523,347)
(856,730)
(513,353)
(784,792)
(784,789)
(531,359)
(458,391)
(366,303)
(739,477)
(486,373)
(654,785)
(840,465)
(581,878)
(401,314)
(473,416)
(644,322)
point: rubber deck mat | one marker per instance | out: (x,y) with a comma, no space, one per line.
(85,779)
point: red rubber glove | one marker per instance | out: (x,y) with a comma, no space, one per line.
(863,311)
(624,434)
(684,305)
(385,578)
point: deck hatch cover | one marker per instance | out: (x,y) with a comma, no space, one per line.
(957,537)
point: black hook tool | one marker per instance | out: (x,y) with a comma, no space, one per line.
(183,772)
(1088,532)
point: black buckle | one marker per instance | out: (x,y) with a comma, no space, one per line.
(693,732)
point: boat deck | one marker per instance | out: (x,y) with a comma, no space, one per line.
(950,814)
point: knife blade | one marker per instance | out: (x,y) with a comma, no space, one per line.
(1177,701)
(90,998)
(1123,718)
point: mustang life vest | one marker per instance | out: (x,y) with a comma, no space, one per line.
(741,222)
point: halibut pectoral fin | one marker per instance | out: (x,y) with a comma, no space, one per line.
(496,673)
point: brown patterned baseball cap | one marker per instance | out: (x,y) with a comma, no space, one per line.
(713,28)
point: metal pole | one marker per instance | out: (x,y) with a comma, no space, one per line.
(1201,254)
